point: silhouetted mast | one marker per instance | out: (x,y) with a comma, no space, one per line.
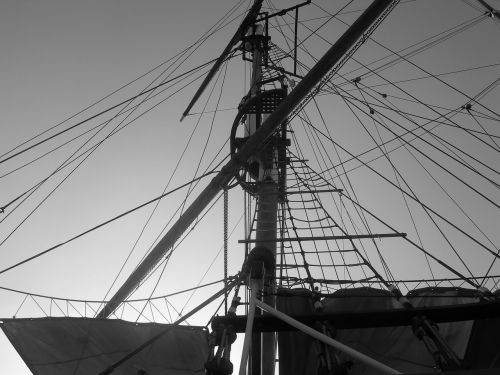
(254,145)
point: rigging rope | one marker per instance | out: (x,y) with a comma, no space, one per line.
(101,224)
(398,176)
(314,32)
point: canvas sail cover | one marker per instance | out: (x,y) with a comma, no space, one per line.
(61,346)
(397,347)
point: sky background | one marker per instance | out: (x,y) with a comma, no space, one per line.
(57,57)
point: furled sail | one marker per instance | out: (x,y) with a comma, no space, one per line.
(57,346)
(397,346)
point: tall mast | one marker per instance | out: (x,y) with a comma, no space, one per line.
(266,175)
(252,146)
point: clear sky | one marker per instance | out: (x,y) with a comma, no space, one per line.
(58,57)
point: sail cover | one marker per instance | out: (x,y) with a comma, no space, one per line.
(475,343)
(57,346)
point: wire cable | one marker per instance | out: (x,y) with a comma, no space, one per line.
(101,225)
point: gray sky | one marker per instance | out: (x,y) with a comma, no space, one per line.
(57,57)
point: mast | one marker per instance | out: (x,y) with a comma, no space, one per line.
(252,146)
(266,192)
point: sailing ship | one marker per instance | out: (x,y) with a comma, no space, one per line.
(363,166)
